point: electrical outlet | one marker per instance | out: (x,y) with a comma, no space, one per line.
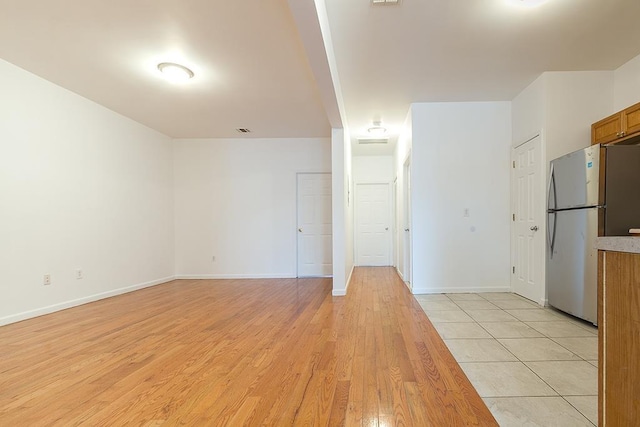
(79,273)
(47,279)
(213,258)
(466,212)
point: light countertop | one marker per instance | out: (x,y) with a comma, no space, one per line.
(619,244)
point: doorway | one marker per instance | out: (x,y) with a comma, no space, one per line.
(314,225)
(373,225)
(527,227)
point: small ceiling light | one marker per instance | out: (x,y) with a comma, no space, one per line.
(528,3)
(175,73)
(381,2)
(377,129)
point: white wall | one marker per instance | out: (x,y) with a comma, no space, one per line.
(80,187)
(574,100)
(460,159)
(349,260)
(626,87)
(373,169)
(235,199)
(339,188)
(562,105)
(528,111)
(342,197)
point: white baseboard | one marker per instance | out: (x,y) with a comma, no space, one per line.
(459,290)
(343,292)
(80,301)
(407,284)
(234,276)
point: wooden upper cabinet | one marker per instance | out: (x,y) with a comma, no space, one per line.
(606,130)
(631,119)
(617,127)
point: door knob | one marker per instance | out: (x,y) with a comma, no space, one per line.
(406,229)
(386,228)
(534,228)
(299,230)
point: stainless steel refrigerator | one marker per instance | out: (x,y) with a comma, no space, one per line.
(592,192)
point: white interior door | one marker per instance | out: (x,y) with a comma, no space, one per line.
(373,225)
(314,225)
(528,236)
(394,234)
(406,230)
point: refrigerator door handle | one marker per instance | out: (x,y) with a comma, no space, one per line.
(551,234)
(552,184)
(548,230)
(551,231)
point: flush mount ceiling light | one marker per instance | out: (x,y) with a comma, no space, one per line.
(369,141)
(381,2)
(528,3)
(175,73)
(377,129)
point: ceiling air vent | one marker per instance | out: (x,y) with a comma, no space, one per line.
(243,130)
(373,140)
(384,2)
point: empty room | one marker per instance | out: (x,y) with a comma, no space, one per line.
(319,212)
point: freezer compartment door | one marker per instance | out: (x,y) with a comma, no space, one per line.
(572,262)
(622,190)
(575,179)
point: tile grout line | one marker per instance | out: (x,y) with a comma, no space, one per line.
(518,359)
(579,411)
(568,349)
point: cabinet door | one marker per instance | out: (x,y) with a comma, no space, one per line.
(606,130)
(631,119)
(619,339)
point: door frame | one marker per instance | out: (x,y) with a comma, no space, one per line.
(390,212)
(541,292)
(296,225)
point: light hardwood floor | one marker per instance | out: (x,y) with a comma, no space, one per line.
(238,352)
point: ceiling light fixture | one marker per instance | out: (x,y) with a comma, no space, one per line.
(377,129)
(381,2)
(528,3)
(369,141)
(175,73)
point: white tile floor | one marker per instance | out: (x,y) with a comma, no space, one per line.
(532,366)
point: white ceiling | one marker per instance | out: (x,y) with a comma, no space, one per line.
(468,50)
(257,62)
(250,65)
